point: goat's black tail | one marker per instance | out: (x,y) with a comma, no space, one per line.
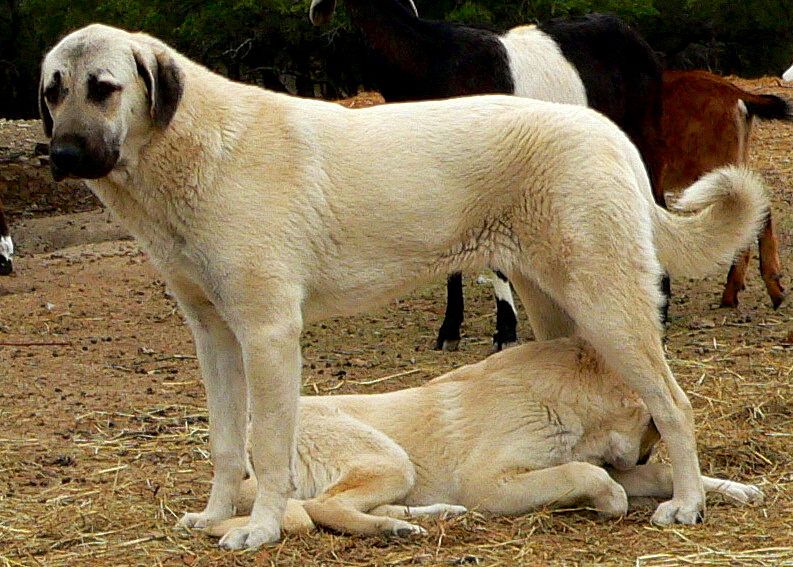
(768,107)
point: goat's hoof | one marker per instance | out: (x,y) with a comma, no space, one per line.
(448,345)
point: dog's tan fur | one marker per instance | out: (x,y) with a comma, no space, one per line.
(264,212)
(527,428)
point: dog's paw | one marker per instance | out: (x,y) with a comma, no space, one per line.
(400,528)
(250,537)
(613,503)
(739,493)
(198,521)
(450,510)
(436,510)
(677,512)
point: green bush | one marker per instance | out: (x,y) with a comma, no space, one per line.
(272,43)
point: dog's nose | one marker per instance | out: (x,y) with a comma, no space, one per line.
(65,157)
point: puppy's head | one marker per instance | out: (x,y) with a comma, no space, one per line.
(103,91)
(632,436)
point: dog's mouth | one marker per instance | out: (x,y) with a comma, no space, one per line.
(81,171)
(70,157)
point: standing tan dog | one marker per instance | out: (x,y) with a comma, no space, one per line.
(264,212)
(526,428)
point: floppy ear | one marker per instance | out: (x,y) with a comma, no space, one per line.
(46,119)
(165,82)
(321,11)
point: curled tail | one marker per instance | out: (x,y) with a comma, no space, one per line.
(728,206)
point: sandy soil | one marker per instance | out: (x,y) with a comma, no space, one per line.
(103,419)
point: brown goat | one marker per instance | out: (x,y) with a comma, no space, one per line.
(706,123)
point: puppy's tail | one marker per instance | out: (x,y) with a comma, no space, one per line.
(727,208)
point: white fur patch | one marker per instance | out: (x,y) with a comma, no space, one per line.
(6,247)
(788,75)
(540,70)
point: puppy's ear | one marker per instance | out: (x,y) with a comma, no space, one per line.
(165,83)
(321,11)
(46,119)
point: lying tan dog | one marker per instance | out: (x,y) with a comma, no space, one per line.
(264,212)
(530,427)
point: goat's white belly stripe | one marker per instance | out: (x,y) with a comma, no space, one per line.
(6,247)
(539,69)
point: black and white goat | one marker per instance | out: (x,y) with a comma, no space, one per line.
(595,60)
(6,245)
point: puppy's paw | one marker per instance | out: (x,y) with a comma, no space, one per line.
(739,493)
(451,510)
(613,503)
(678,512)
(434,510)
(250,536)
(400,528)
(198,520)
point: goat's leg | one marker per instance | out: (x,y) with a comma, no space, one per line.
(449,333)
(736,280)
(770,268)
(506,314)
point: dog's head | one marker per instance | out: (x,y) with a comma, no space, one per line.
(632,437)
(103,92)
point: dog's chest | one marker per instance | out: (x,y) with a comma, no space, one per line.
(150,221)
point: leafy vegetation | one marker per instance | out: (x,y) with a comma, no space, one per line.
(272,43)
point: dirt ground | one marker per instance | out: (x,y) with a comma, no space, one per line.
(103,421)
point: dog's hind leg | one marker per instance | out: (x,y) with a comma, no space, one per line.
(620,320)
(222,371)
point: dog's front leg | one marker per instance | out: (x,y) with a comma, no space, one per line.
(654,480)
(271,353)
(221,364)
(510,490)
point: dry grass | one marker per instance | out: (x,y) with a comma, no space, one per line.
(103,428)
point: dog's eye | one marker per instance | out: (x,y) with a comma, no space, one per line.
(53,90)
(99,91)
(51,94)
